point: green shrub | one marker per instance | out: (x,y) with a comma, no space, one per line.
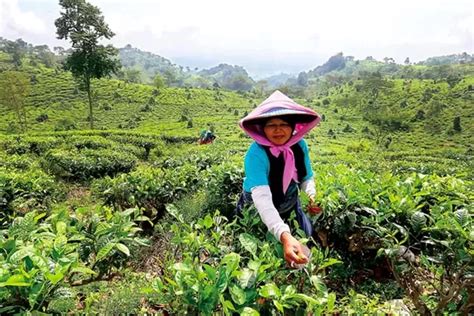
(20,192)
(418,222)
(88,142)
(223,188)
(22,162)
(30,144)
(149,189)
(36,261)
(145,142)
(41,259)
(87,164)
(225,269)
(65,124)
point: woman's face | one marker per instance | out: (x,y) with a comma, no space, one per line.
(277,131)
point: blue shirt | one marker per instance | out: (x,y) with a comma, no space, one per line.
(257,165)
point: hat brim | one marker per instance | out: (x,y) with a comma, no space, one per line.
(280,112)
(291,116)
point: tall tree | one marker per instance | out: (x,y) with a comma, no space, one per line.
(159,81)
(84,25)
(14,88)
(133,75)
(17,50)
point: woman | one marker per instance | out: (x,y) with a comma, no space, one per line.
(277,166)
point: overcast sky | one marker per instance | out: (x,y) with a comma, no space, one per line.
(265,37)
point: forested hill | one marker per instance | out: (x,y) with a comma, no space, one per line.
(416,104)
(143,67)
(433,68)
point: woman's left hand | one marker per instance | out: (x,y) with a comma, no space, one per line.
(312,208)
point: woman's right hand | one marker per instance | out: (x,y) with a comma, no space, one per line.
(292,249)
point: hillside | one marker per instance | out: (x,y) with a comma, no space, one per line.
(149,65)
(136,217)
(404,115)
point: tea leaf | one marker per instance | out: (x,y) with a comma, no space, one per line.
(246,277)
(329,263)
(237,294)
(270,290)
(60,242)
(15,280)
(462,216)
(54,278)
(104,251)
(249,242)
(123,248)
(231,261)
(248,311)
(61,228)
(83,270)
(318,284)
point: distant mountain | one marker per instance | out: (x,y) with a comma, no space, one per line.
(335,62)
(142,67)
(230,77)
(340,66)
(276,81)
(463,58)
(149,64)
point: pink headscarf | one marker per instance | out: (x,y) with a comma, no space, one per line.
(277,105)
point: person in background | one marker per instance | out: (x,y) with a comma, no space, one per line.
(277,167)
(206,137)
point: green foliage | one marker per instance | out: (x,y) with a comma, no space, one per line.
(223,188)
(123,296)
(65,124)
(41,259)
(107,244)
(420,222)
(211,277)
(159,82)
(29,145)
(84,25)
(36,260)
(14,88)
(148,189)
(23,191)
(133,76)
(86,164)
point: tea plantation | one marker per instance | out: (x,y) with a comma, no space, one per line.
(136,217)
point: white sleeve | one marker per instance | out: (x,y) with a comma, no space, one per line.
(309,187)
(262,198)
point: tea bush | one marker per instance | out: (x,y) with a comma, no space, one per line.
(222,268)
(223,188)
(29,145)
(419,222)
(41,258)
(21,192)
(15,161)
(87,164)
(149,189)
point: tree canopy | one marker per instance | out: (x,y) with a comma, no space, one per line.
(84,25)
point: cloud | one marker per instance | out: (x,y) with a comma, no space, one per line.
(16,22)
(264,34)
